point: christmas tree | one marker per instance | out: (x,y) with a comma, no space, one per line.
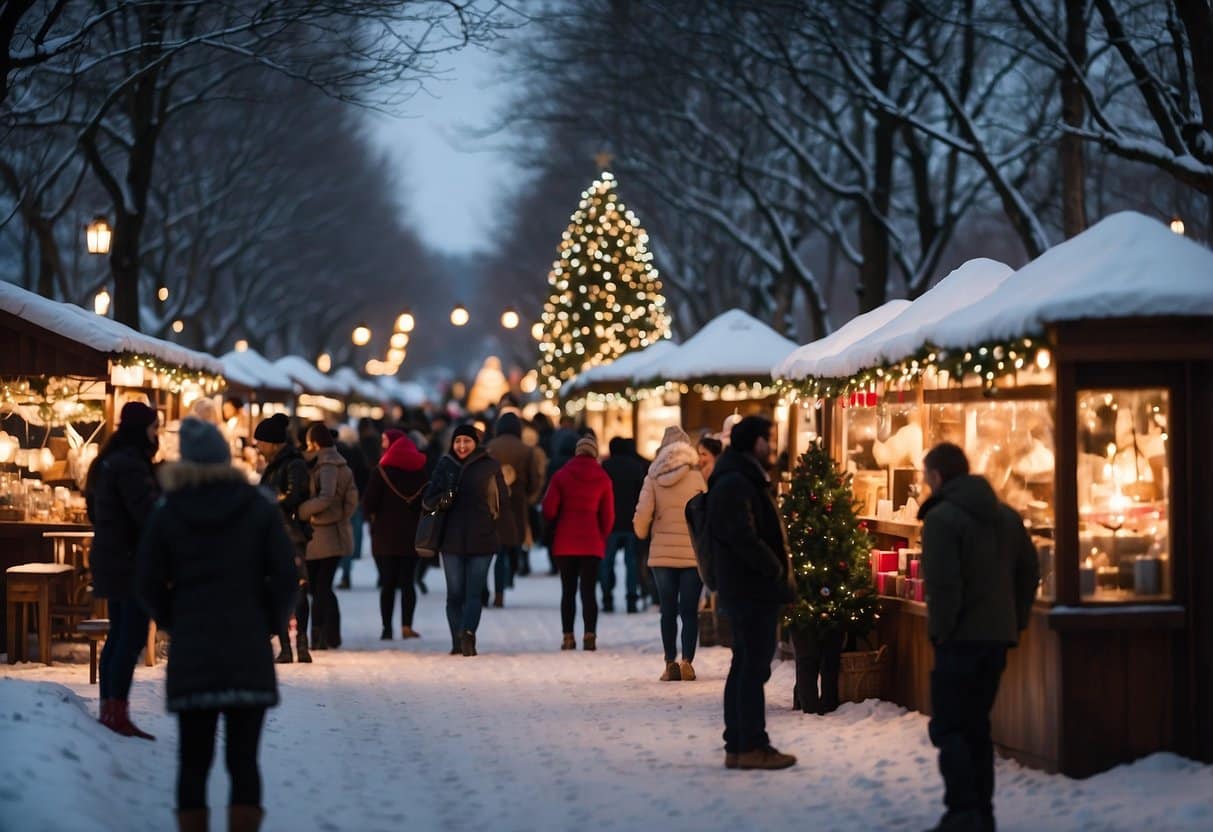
(605,293)
(830,551)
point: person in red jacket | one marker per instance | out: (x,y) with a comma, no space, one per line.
(581,506)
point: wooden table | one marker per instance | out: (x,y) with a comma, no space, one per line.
(33,583)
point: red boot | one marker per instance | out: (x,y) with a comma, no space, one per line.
(120,720)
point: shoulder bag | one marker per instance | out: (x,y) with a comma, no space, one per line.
(433,521)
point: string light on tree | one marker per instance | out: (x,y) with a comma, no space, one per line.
(605,293)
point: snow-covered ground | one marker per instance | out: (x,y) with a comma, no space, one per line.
(396,735)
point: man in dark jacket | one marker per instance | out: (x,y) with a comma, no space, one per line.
(627,469)
(287,478)
(981,576)
(521,467)
(753,582)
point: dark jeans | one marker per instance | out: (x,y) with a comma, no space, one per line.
(348,561)
(817,655)
(505,567)
(964,684)
(574,569)
(397,574)
(302,608)
(326,615)
(196,751)
(745,719)
(630,545)
(679,591)
(466,578)
(127,636)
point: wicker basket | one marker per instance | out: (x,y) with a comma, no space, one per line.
(864,675)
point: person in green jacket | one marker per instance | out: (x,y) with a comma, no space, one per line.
(981,576)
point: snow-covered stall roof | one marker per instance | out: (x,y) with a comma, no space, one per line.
(98,332)
(408,393)
(908,331)
(1126,265)
(301,371)
(253,370)
(804,362)
(622,369)
(733,345)
(364,389)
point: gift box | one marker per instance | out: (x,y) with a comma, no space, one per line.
(899,586)
(885,560)
(920,590)
(916,568)
(886,583)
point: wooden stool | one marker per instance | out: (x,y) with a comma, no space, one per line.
(95,630)
(31,583)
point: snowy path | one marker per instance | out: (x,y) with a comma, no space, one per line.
(398,735)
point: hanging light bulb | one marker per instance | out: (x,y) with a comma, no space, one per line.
(362,335)
(405,322)
(162,293)
(1177,225)
(178,325)
(399,340)
(509,318)
(324,362)
(459,315)
(241,345)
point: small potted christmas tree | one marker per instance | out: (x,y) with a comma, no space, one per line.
(835,602)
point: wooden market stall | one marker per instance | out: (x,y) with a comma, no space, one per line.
(322,398)
(723,369)
(65,373)
(605,399)
(1080,386)
(366,398)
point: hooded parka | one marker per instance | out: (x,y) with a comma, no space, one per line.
(672,480)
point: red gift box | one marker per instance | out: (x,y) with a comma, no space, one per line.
(886,583)
(920,590)
(885,560)
(915,566)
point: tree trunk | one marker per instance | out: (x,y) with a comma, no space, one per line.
(1073,113)
(124,266)
(50,264)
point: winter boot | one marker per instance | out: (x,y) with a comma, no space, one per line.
(608,603)
(244,818)
(589,642)
(569,642)
(686,672)
(456,645)
(120,720)
(765,758)
(467,643)
(285,655)
(499,600)
(408,632)
(673,673)
(305,656)
(193,820)
(632,604)
(386,633)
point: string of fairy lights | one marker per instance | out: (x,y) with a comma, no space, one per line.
(606,294)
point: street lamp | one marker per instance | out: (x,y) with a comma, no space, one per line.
(1177,225)
(362,335)
(459,315)
(405,322)
(101,303)
(509,318)
(97,235)
(324,362)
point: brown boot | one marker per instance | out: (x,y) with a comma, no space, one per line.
(687,672)
(589,642)
(244,818)
(499,599)
(765,758)
(120,721)
(193,820)
(730,759)
(672,672)
(467,643)
(569,642)
(409,632)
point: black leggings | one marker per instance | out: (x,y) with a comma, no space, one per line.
(326,616)
(573,568)
(397,573)
(196,751)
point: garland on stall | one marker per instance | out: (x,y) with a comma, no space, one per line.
(988,362)
(176,375)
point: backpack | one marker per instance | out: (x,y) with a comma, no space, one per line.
(696,513)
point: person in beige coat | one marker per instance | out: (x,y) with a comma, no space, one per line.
(333,502)
(673,479)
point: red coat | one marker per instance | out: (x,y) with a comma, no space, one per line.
(581,504)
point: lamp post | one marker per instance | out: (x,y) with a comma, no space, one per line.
(97,235)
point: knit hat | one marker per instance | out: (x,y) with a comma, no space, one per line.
(509,423)
(201,442)
(136,416)
(273,429)
(403,454)
(674,434)
(392,435)
(587,446)
(465,430)
(748,431)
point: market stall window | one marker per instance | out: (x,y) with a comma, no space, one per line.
(1123,479)
(882,449)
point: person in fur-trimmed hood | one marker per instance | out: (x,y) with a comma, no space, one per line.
(673,479)
(213,539)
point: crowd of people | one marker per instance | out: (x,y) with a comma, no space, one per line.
(481,495)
